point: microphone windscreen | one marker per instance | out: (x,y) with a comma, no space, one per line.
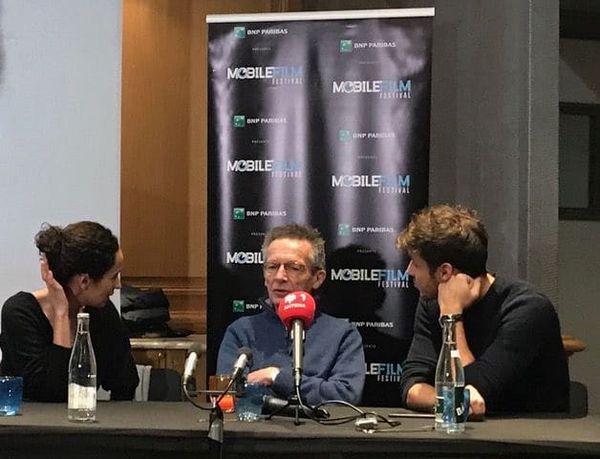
(248,352)
(197,348)
(297,306)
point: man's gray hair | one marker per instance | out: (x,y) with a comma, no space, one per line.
(303,233)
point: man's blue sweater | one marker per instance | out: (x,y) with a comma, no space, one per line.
(334,361)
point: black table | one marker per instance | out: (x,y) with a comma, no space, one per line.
(163,429)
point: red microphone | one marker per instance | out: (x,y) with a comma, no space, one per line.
(297,312)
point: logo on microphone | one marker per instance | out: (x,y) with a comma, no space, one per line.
(295,301)
(297,306)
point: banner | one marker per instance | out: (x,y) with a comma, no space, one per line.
(320,119)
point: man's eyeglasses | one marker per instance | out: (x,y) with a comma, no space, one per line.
(291,268)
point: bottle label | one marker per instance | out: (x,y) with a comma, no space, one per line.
(439,406)
(82,397)
(454,354)
(459,404)
(450,405)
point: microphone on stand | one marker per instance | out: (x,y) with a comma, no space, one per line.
(190,362)
(297,312)
(215,430)
(244,359)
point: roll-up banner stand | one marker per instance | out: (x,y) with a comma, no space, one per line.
(322,119)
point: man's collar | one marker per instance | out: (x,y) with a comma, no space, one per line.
(486,284)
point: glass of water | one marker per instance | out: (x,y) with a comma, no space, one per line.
(11,395)
(250,402)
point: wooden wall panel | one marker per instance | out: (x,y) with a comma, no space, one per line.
(163,147)
(155,146)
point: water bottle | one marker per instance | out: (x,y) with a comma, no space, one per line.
(449,381)
(82,374)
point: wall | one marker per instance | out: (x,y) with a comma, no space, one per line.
(494,127)
(60,79)
(163,214)
(579,241)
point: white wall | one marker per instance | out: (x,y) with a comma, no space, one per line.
(579,241)
(60,91)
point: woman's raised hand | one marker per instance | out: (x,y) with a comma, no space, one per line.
(56,294)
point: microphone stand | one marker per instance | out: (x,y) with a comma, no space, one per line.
(215,432)
(295,401)
(215,425)
(215,420)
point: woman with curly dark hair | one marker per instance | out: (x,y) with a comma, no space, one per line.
(81,266)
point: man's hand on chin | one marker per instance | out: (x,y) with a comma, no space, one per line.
(458,293)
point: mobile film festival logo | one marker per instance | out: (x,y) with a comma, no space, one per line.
(276,168)
(279,75)
(384,371)
(384,278)
(384,89)
(384,184)
(244,258)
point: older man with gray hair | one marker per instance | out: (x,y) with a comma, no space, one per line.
(334,362)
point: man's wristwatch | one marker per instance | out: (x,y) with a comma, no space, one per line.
(451,318)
